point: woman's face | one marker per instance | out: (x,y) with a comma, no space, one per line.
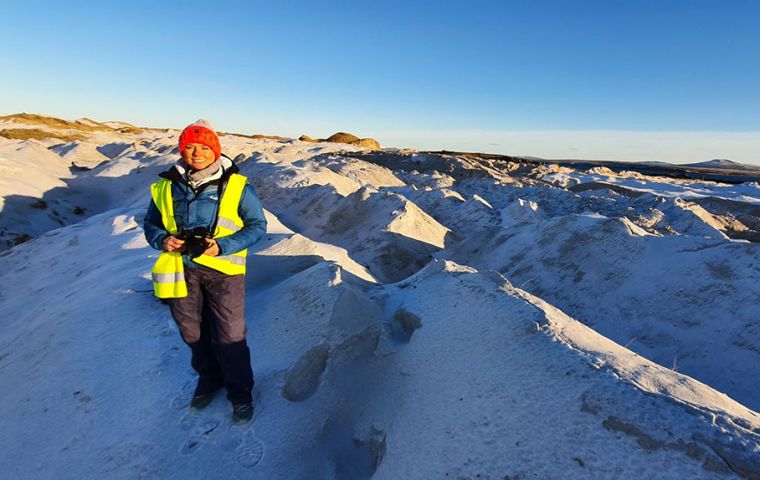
(197,156)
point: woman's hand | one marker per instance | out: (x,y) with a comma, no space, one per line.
(173,244)
(213,248)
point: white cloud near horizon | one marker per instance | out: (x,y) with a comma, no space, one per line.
(621,145)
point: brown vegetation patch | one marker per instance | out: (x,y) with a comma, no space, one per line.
(343,137)
(257,136)
(82,125)
(131,129)
(367,143)
(52,122)
(37,134)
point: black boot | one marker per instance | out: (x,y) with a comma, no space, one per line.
(242,412)
(201,401)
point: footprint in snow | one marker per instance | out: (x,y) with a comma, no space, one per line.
(169,355)
(250,450)
(199,437)
(188,421)
(167,358)
(166,332)
(182,400)
(247,448)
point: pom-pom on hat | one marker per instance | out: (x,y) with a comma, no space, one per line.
(202,132)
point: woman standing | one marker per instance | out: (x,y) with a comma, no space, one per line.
(203,216)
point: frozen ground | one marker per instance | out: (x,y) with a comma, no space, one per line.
(411,316)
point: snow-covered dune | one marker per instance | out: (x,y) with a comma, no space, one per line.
(688,303)
(410,316)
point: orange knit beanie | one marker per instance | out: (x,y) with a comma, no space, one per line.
(201,132)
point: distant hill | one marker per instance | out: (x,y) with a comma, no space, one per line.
(657,163)
(721,163)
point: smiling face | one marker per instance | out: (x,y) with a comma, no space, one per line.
(197,156)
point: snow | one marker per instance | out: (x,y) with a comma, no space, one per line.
(678,300)
(404,322)
(80,153)
(663,186)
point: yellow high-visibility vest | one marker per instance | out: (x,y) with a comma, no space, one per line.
(168,271)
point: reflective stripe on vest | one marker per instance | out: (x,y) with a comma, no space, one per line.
(169,277)
(228,224)
(237,260)
(168,271)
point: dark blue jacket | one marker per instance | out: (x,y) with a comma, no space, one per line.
(198,208)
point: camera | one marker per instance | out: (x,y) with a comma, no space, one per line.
(195,240)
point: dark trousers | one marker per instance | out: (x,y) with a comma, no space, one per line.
(211,320)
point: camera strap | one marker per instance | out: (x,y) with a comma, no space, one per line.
(219,192)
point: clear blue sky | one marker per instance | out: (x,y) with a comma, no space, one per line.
(426,74)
